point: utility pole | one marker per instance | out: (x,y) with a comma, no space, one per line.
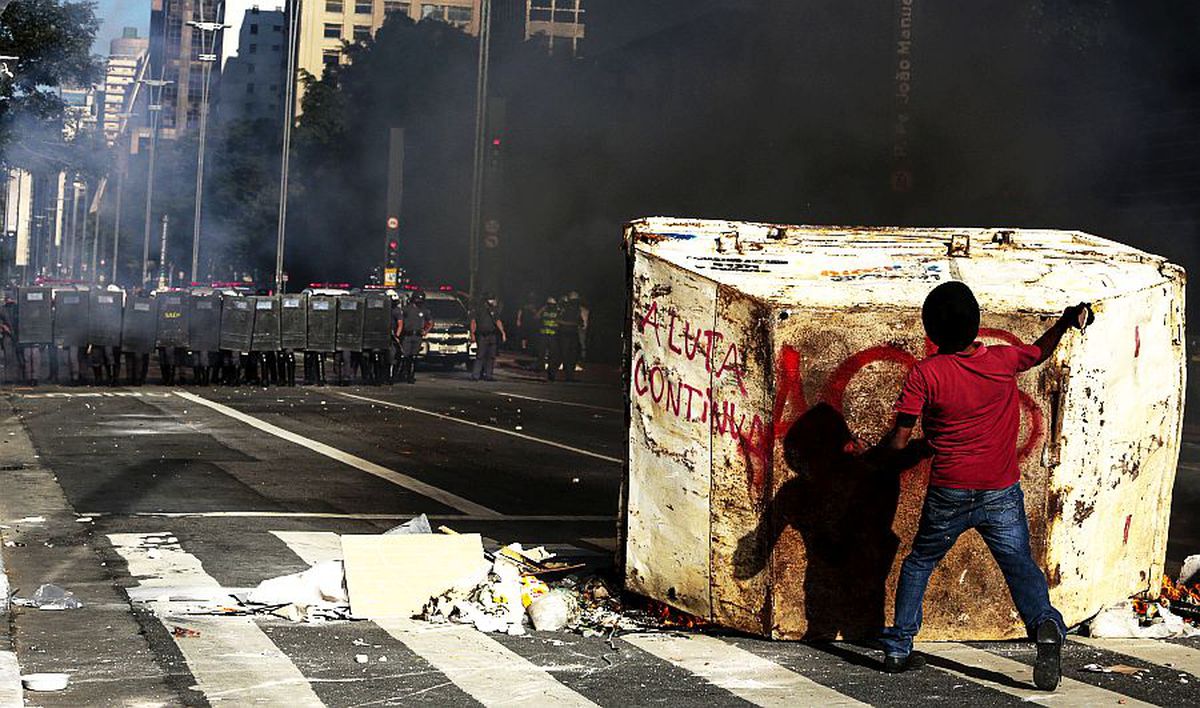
(122,166)
(288,113)
(481,91)
(207,58)
(162,256)
(155,109)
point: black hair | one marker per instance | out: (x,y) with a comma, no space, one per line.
(951,316)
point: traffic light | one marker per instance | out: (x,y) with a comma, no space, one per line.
(393,253)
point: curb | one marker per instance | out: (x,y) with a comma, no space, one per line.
(4,586)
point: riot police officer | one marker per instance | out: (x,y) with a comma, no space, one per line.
(414,323)
(487,332)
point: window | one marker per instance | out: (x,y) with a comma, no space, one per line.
(249,68)
(361,33)
(253,49)
(333,30)
(330,57)
(276,48)
(390,6)
(364,7)
(434,11)
(458,15)
(334,6)
(539,15)
(277,28)
(249,88)
(254,29)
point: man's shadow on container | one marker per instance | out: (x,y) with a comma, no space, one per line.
(843,505)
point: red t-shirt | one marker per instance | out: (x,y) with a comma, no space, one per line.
(971,413)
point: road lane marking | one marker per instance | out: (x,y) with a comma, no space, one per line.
(485,669)
(1070,693)
(11,693)
(401,480)
(1152,651)
(313,547)
(557,402)
(231,658)
(349,517)
(742,673)
(494,429)
(482,667)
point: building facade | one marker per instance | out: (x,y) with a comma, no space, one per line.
(252,81)
(326,24)
(177,50)
(126,60)
(557,25)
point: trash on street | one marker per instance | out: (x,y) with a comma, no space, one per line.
(50,597)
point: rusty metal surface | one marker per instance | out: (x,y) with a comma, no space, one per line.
(805,541)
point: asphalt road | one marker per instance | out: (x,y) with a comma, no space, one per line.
(111,493)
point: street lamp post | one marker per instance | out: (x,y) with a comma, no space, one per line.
(288,113)
(155,109)
(207,59)
(481,90)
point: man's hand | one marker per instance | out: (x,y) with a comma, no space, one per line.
(1079,316)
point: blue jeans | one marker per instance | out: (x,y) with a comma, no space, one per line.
(999,517)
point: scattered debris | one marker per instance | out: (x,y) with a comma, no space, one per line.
(45,682)
(50,597)
(323,583)
(31,520)
(394,576)
(184,632)
(554,610)
(1123,669)
(418,524)
(361,658)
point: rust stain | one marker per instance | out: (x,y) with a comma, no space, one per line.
(1083,511)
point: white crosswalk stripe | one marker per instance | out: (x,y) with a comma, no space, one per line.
(1154,651)
(1070,693)
(742,673)
(470,659)
(10,681)
(231,658)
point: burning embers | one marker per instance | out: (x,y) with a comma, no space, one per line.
(1182,599)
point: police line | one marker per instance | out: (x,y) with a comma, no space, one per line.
(202,322)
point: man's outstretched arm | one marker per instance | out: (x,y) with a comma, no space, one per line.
(1079,316)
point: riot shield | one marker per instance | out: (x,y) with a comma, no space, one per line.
(237,323)
(70,318)
(172,320)
(104,325)
(137,327)
(266,324)
(34,316)
(377,322)
(204,323)
(293,322)
(322,323)
(350,323)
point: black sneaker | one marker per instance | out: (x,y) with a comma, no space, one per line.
(1047,669)
(900,664)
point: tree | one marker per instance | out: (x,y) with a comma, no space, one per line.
(52,41)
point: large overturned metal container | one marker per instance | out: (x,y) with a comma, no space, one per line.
(758,352)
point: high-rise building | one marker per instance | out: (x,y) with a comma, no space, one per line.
(252,82)
(325,24)
(126,60)
(80,114)
(177,55)
(557,25)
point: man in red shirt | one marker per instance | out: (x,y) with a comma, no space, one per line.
(967,395)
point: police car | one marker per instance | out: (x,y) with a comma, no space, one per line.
(449,342)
